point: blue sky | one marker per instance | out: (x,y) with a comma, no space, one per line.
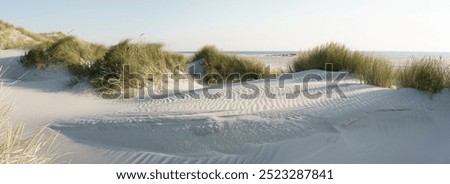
(238,25)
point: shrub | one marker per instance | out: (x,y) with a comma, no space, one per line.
(371,70)
(76,54)
(224,65)
(426,74)
(141,58)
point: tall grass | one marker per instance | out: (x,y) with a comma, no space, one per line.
(426,74)
(12,37)
(371,70)
(375,71)
(76,54)
(141,58)
(317,58)
(224,65)
(17,148)
(94,62)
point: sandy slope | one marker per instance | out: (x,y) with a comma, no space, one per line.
(371,125)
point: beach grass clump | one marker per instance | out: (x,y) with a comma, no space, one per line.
(18,148)
(70,51)
(220,65)
(319,57)
(375,71)
(447,77)
(12,37)
(146,59)
(426,74)
(341,58)
(369,69)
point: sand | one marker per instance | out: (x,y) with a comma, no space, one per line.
(370,125)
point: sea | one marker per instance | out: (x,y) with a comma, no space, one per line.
(283,57)
(376,53)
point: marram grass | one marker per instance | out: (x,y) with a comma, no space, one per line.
(427,74)
(369,69)
(12,37)
(141,58)
(224,65)
(70,51)
(17,148)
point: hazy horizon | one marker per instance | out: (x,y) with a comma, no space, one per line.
(286,25)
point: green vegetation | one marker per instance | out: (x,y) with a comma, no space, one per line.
(375,71)
(12,37)
(15,148)
(94,62)
(317,58)
(225,65)
(141,58)
(74,53)
(371,70)
(427,74)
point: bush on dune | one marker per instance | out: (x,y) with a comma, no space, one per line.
(141,58)
(426,74)
(224,65)
(92,61)
(371,70)
(74,53)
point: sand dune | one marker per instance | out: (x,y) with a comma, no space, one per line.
(370,125)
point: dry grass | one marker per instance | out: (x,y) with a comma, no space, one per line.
(17,148)
(12,37)
(426,74)
(141,58)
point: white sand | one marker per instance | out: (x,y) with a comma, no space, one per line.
(371,125)
(275,62)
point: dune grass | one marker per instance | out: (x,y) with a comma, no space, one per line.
(94,62)
(141,58)
(72,52)
(334,53)
(427,74)
(12,37)
(375,71)
(369,69)
(225,65)
(17,148)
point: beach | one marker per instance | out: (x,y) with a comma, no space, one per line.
(369,125)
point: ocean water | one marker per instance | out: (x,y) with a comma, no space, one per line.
(284,57)
(410,54)
(387,54)
(399,59)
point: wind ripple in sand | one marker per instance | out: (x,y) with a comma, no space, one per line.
(235,130)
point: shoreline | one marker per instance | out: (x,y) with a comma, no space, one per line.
(371,125)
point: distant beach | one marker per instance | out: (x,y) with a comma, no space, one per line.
(279,59)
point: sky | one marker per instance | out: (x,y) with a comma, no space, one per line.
(244,25)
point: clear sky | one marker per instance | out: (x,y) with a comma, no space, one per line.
(244,25)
